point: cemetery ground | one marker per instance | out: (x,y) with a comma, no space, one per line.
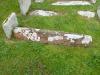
(20,57)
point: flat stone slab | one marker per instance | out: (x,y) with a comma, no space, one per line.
(68,3)
(53,37)
(88,14)
(43,13)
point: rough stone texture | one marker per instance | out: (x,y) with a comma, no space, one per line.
(9,24)
(43,13)
(67,3)
(24,6)
(88,14)
(39,1)
(54,37)
(98,12)
(93,1)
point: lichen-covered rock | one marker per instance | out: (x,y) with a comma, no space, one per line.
(24,6)
(39,1)
(9,24)
(43,13)
(88,14)
(54,37)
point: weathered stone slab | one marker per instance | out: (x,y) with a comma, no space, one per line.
(9,24)
(24,6)
(54,37)
(43,13)
(39,1)
(88,14)
(68,3)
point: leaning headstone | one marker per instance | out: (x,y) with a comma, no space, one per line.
(24,6)
(93,1)
(39,1)
(98,12)
(9,24)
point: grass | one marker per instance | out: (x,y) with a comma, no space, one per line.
(19,57)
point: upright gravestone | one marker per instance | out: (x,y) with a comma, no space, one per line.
(9,24)
(24,6)
(39,1)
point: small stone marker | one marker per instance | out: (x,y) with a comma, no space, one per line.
(54,37)
(9,24)
(88,14)
(24,6)
(39,1)
(43,13)
(98,12)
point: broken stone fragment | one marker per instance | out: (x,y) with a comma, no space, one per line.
(43,13)
(39,1)
(24,6)
(88,14)
(67,3)
(54,37)
(9,24)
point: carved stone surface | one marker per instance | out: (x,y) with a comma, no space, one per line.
(24,6)
(54,37)
(9,24)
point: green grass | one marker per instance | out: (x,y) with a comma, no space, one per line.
(18,57)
